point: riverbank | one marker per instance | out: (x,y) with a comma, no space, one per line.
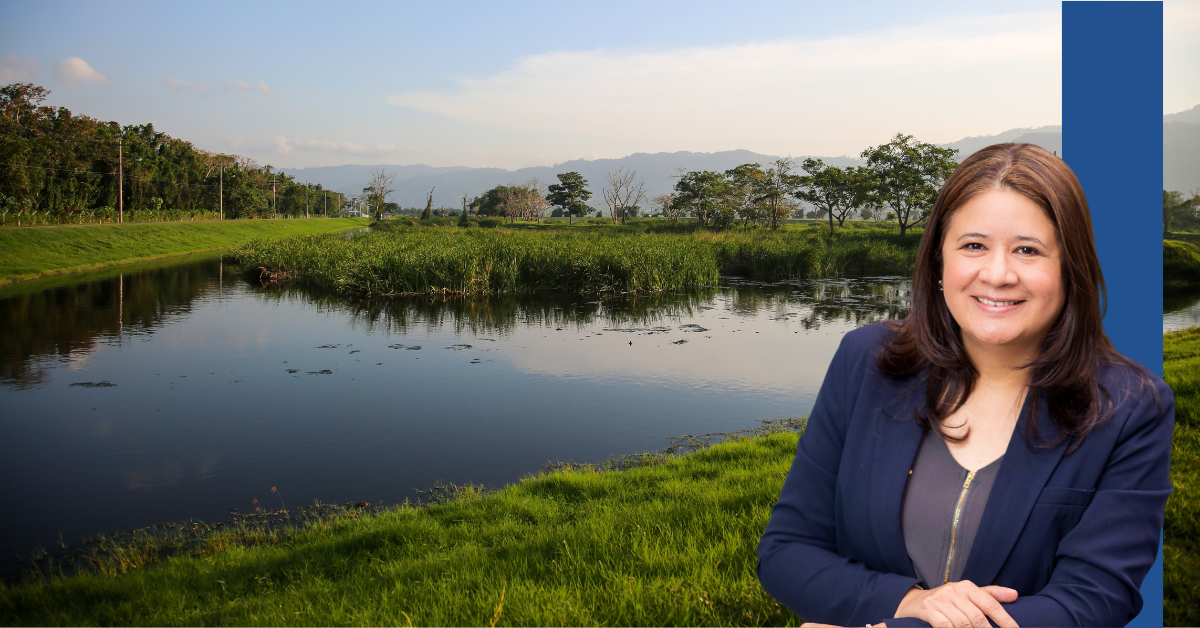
(1181,530)
(1181,261)
(643,257)
(32,252)
(669,543)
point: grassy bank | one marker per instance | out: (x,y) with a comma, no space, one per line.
(1181,545)
(1181,262)
(31,252)
(664,544)
(645,257)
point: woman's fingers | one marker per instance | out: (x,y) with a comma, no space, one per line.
(1002,594)
(987,602)
(938,620)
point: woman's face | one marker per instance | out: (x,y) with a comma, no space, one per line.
(1002,276)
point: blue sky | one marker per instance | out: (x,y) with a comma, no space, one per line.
(532,83)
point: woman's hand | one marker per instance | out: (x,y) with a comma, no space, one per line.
(959,604)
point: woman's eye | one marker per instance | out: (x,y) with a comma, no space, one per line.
(973,246)
(1027,250)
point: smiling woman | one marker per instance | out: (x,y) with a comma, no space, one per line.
(991,457)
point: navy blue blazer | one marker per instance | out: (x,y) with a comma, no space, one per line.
(1073,534)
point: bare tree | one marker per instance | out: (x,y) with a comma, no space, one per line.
(666,205)
(624,190)
(526,201)
(428,213)
(378,190)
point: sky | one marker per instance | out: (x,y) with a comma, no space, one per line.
(538,83)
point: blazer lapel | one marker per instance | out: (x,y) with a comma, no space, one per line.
(1022,476)
(896,442)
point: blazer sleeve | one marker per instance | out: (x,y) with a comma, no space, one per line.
(1101,562)
(798,561)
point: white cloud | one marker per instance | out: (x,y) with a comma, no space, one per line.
(281,145)
(14,69)
(347,147)
(177,85)
(75,70)
(940,81)
(243,86)
(234,142)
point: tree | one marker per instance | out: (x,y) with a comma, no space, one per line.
(377,192)
(1175,205)
(428,213)
(907,175)
(669,206)
(704,194)
(830,189)
(745,191)
(623,190)
(570,194)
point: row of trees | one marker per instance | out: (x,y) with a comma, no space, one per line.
(59,165)
(899,183)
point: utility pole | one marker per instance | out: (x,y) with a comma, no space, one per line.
(120,182)
(221,192)
(306,200)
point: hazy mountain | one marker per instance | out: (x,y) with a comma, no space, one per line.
(656,169)
(1191,115)
(1181,166)
(1048,137)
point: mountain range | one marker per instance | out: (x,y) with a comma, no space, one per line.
(1181,166)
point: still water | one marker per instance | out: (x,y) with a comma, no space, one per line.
(1181,308)
(179,390)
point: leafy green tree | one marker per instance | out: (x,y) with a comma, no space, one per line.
(570,194)
(706,195)
(491,203)
(907,175)
(833,190)
(1175,206)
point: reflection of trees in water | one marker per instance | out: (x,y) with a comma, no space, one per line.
(814,302)
(56,323)
(1176,299)
(501,314)
(810,303)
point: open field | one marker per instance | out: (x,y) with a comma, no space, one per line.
(31,252)
(645,256)
(1181,545)
(670,543)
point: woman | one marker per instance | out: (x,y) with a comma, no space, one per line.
(990,456)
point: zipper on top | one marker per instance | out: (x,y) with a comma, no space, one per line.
(962,497)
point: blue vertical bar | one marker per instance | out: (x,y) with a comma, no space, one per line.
(1112,139)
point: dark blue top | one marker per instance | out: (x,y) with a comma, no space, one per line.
(1073,534)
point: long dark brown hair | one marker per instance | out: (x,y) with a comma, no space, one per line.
(1066,367)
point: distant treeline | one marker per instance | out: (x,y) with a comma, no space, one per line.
(60,168)
(898,184)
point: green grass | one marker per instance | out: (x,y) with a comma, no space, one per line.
(31,252)
(1181,531)
(1181,261)
(670,543)
(645,256)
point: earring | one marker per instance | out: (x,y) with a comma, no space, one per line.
(940,286)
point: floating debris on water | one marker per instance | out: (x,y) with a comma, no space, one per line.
(321,372)
(293,370)
(692,327)
(680,342)
(100,384)
(413,348)
(458,347)
(356,351)
(329,346)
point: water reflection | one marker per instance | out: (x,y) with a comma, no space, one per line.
(179,390)
(1181,307)
(51,325)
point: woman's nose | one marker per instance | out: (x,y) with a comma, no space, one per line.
(999,270)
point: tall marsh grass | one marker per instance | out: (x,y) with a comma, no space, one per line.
(423,260)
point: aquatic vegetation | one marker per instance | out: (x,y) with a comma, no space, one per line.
(399,260)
